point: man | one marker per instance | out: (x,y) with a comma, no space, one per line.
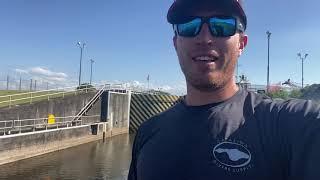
(220,131)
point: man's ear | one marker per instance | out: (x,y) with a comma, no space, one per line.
(174,39)
(243,43)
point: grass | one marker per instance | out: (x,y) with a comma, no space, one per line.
(10,92)
(24,97)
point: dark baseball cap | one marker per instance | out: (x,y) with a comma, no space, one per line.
(180,10)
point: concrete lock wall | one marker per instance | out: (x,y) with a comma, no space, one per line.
(21,146)
(118,113)
(60,107)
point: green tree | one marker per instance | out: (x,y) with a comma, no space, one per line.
(279,94)
(86,86)
(296,93)
(158,92)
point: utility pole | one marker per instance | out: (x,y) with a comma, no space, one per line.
(7,82)
(20,84)
(81,46)
(35,85)
(148,79)
(91,61)
(31,85)
(237,72)
(268,68)
(302,58)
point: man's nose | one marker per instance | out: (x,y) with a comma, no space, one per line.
(204,37)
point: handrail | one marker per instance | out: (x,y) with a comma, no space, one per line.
(65,117)
(55,89)
(52,94)
(90,103)
(10,101)
(21,124)
(33,95)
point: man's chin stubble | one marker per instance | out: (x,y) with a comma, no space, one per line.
(208,86)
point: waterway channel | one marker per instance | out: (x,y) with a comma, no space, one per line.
(97,160)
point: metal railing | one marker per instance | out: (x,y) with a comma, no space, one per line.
(90,103)
(29,97)
(42,124)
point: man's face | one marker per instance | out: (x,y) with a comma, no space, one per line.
(205,75)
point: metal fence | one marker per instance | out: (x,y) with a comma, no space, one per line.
(11,83)
(8,127)
(29,97)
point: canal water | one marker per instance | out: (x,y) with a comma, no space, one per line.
(97,160)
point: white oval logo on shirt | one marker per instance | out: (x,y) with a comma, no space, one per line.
(232,154)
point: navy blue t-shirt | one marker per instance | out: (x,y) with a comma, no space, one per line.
(247,137)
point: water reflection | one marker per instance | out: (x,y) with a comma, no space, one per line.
(97,160)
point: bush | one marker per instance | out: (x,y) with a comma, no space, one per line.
(279,94)
(295,94)
(311,92)
(86,86)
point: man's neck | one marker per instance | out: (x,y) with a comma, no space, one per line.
(196,97)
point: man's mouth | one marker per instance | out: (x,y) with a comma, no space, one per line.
(205,58)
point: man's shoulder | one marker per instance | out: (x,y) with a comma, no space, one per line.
(263,103)
(256,100)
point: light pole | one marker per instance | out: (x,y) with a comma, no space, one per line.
(81,46)
(303,58)
(148,79)
(91,61)
(268,68)
(237,73)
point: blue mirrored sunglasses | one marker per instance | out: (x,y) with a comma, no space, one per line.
(219,26)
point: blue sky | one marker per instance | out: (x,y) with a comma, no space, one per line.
(129,39)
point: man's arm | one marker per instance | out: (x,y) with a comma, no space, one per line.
(133,165)
(300,122)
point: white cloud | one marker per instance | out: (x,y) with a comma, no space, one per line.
(44,75)
(54,79)
(47,72)
(166,88)
(21,71)
(177,89)
(58,79)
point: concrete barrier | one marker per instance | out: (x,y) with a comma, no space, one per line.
(26,145)
(60,107)
(22,146)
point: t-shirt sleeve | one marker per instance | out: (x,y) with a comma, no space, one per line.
(300,122)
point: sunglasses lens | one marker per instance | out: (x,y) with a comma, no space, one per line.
(223,27)
(189,29)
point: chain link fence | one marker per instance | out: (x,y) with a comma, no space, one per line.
(22,84)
